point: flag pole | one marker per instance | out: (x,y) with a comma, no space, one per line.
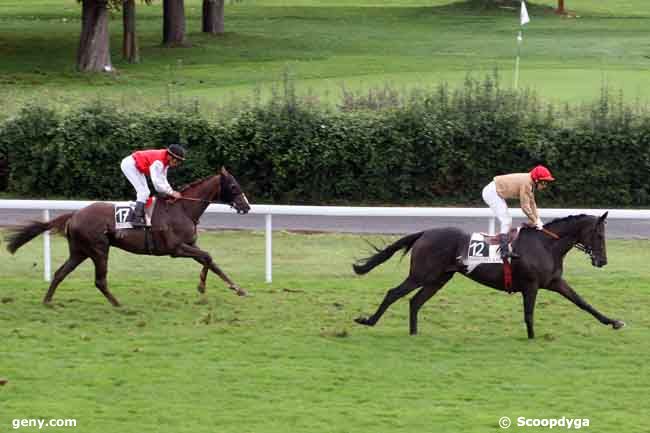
(523,19)
(519,39)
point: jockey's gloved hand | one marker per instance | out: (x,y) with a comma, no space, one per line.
(539,224)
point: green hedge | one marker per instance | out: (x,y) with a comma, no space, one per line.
(439,149)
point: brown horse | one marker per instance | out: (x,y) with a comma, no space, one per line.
(435,259)
(91,232)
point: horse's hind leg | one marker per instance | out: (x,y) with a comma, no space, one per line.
(422,296)
(73,261)
(101,269)
(392,295)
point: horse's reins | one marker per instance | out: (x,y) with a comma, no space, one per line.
(200,200)
(577,245)
(551,234)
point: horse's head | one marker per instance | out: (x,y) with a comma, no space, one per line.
(232,194)
(591,240)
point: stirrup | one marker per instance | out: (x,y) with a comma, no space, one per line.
(137,216)
(509,255)
(137,223)
(504,249)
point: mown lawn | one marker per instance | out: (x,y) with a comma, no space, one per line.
(290,358)
(327,45)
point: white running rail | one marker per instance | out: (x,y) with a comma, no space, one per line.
(269,210)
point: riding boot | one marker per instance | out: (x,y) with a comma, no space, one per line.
(504,248)
(138,215)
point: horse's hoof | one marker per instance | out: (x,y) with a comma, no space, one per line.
(362,321)
(618,324)
(238,290)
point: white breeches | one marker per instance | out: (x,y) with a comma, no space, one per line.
(498,205)
(137,179)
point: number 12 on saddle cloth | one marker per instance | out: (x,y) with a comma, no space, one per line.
(485,249)
(481,249)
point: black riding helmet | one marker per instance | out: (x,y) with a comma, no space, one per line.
(177,151)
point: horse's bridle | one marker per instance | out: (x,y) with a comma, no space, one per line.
(585,249)
(200,200)
(580,246)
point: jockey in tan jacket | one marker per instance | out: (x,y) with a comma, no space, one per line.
(517,185)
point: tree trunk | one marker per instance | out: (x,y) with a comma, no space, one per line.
(560,7)
(94,53)
(173,23)
(213,13)
(130,50)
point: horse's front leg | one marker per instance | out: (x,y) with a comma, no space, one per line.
(563,288)
(185,250)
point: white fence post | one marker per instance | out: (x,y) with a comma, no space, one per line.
(47,257)
(269,247)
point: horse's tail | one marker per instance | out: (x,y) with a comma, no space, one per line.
(364,266)
(20,236)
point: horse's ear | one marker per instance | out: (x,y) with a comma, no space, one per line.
(223,171)
(603,216)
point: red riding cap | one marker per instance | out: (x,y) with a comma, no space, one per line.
(541,173)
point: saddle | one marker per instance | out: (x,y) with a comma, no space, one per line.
(122,215)
(123,226)
(494,239)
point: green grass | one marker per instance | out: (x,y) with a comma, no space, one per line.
(289,358)
(327,44)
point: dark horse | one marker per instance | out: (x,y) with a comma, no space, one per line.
(436,255)
(91,232)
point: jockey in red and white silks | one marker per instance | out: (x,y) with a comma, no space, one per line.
(154,163)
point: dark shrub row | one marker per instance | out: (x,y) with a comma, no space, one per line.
(437,148)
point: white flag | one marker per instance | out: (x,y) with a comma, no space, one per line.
(523,15)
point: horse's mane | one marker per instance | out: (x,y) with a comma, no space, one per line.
(196,182)
(570,218)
